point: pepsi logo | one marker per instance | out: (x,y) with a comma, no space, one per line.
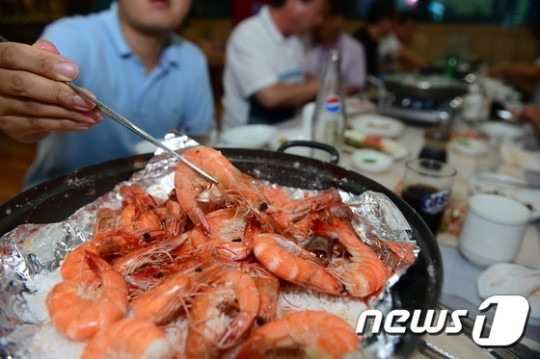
(332,104)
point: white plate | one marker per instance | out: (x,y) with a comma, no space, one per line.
(511,187)
(372,161)
(249,136)
(355,106)
(290,135)
(377,125)
(502,130)
(469,146)
(392,148)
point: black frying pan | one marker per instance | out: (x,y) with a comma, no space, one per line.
(54,201)
(424,87)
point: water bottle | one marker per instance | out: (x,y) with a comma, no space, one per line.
(328,124)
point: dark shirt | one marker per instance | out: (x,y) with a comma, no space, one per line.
(371,49)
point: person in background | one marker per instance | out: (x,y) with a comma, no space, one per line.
(380,22)
(329,35)
(531,113)
(263,78)
(523,76)
(130,58)
(394,49)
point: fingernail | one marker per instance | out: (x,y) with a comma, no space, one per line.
(67,71)
(82,102)
(97,116)
(82,128)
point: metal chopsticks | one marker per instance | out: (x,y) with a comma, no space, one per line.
(134,128)
(137,130)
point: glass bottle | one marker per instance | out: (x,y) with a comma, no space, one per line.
(436,140)
(328,125)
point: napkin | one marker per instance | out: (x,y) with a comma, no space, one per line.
(507,278)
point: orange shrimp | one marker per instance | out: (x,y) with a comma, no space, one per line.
(226,236)
(172,217)
(290,262)
(209,331)
(134,218)
(80,309)
(75,265)
(117,242)
(285,217)
(137,195)
(161,303)
(189,184)
(268,287)
(276,196)
(363,273)
(158,252)
(129,339)
(312,334)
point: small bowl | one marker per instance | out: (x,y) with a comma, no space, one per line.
(249,136)
(371,161)
(502,130)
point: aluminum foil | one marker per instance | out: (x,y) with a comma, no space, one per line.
(33,249)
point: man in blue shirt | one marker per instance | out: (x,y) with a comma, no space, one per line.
(130,58)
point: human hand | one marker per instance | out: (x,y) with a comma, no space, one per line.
(33,98)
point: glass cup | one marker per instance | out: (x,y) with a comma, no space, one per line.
(426,188)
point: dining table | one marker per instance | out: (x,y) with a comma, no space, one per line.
(459,290)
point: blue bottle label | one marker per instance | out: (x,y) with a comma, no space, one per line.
(434,203)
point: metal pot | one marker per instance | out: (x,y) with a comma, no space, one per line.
(432,87)
(54,201)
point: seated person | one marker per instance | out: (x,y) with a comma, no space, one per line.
(131,59)
(380,22)
(394,49)
(531,113)
(525,77)
(263,79)
(330,36)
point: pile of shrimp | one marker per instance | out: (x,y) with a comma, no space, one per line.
(198,275)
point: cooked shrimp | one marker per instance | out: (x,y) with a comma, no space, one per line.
(80,309)
(127,339)
(137,195)
(313,334)
(159,252)
(268,287)
(117,242)
(161,303)
(75,265)
(209,331)
(189,184)
(285,217)
(226,236)
(363,273)
(277,197)
(173,219)
(288,261)
(134,218)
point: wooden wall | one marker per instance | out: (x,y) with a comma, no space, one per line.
(492,44)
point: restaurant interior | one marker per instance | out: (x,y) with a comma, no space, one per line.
(446,133)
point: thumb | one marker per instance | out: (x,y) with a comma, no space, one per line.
(46,46)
